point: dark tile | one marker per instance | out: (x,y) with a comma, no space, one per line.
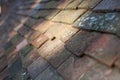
(49,74)
(105,49)
(104,22)
(37,67)
(78,43)
(108,5)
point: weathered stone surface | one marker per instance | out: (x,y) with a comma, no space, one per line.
(104,22)
(105,49)
(21,45)
(89,4)
(3,62)
(16,39)
(56,59)
(78,43)
(74,4)
(30,58)
(47,14)
(108,5)
(37,67)
(63,3)
(101,72)
(43,26)
(61,31)
(49,74)
(16,67)
(24,51)
(25,31)
(74,67)
(39,41)
(68,16)
(4,74)
(117,62)
(50,47)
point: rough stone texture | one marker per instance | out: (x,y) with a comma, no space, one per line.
(68,16)
(16,67)
(3,62)
(51,75)
(24,51)
(117,63)
(4,73)
(74,4)
(30,58)
(50,47)
(22,44)
(89,4)
(61,31)
(104,22)
(105,49)
(57,58)
(63,3)
(37,67)
(43,26)
(39,41)
(47,14)
(74,67)
(108,5)
(78,43)
(101,72)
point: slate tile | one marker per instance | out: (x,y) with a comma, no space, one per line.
(104,22)
(117,62)
(15,67)
(21,45)
(101,72)
(30,22)
(108,5)
(61,31)
(12,57)
(63,3)
(79,42)
(3,62)
(39,41)
(105,49)
(49,74)
(33,35)
(68,16)
(37,67)
(56,59)
(30,57)
(50,47)
(74,4)
(75,67)
(4,74)
(25,31)
(47,14)
(16,39)
(24,51)
(43,26)
(89,4)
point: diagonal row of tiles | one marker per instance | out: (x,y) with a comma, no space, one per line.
(47,35)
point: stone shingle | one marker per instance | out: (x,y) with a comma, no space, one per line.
(61,31)
(37,67)
(104,22)
(101,72)
(78,43)
(105,49)
(68,16)
(108,5)
(74,67)
(89,4)
(49,74)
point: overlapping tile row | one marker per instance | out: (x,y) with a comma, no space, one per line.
(43,44)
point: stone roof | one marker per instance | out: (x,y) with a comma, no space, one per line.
(60,40)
